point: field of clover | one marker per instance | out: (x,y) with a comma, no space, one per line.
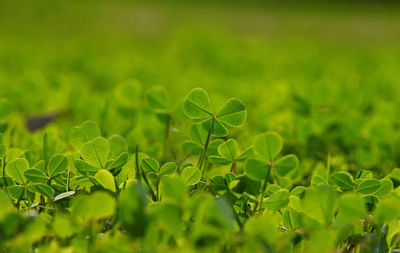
(196,189)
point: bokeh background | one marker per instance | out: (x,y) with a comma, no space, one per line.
(324,75)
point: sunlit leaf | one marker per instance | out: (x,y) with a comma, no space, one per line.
(197,104)
(268,145)
(96,152)
(16,168)
(286,164)
(233,113)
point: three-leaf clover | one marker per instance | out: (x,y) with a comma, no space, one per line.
(228,154)
(102,158)
(197,106)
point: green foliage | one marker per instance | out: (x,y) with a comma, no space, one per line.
(191,175)
(257,169)
(343,179)
(96,151)
(16,168)
(110,193)
(197,105)
(268,145)
(106,179)
(84,133)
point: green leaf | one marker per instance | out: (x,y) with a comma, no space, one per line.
(272,188)
(93,207)
(168,168)
(96,152)
(385,188)
(218,130)
(368,186)
(286,164)
(268,145)
(191,146)
(84,133)
(343,179)
(387,210)
(5,181)
(106,179)
(191,175)
(57,164)
(219,160)
(248,153)
(2,146)
(319,203)
(233,113)
(150,165)
(6,206)
(256,169)
(16,168)
(173,189)
(290,219)
(298,191)
(85,168)
(213,147)
(198,134)
(352,206)
(118,162)
(277,200)
(118,145)
(317,180)
(228,150)
(157,98)
(197,104)
(64,195)
(44,189)
(128,93)
(16,191)
(35,175)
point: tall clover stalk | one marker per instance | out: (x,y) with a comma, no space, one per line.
(197,106)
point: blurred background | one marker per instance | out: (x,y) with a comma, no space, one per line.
(324,75)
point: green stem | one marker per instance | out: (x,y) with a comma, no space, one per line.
(206,144)
(3,168)
(263,188)
(157,187)
(233,167)
(68,179)
(328,167)
(245,207)
(139,171)
(153,195)
(45,159)
(137,164)
(167,137)
(233,209)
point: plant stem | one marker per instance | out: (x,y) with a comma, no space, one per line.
(233,209)
(45,159)
(328,167)
(167,137)
(3,168)
(157,187)
(153,195)
(263,188)
(206,144)
(137,163)
(233,167)
(139,171)
(68,179)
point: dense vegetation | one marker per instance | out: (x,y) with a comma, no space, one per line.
(108,145)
